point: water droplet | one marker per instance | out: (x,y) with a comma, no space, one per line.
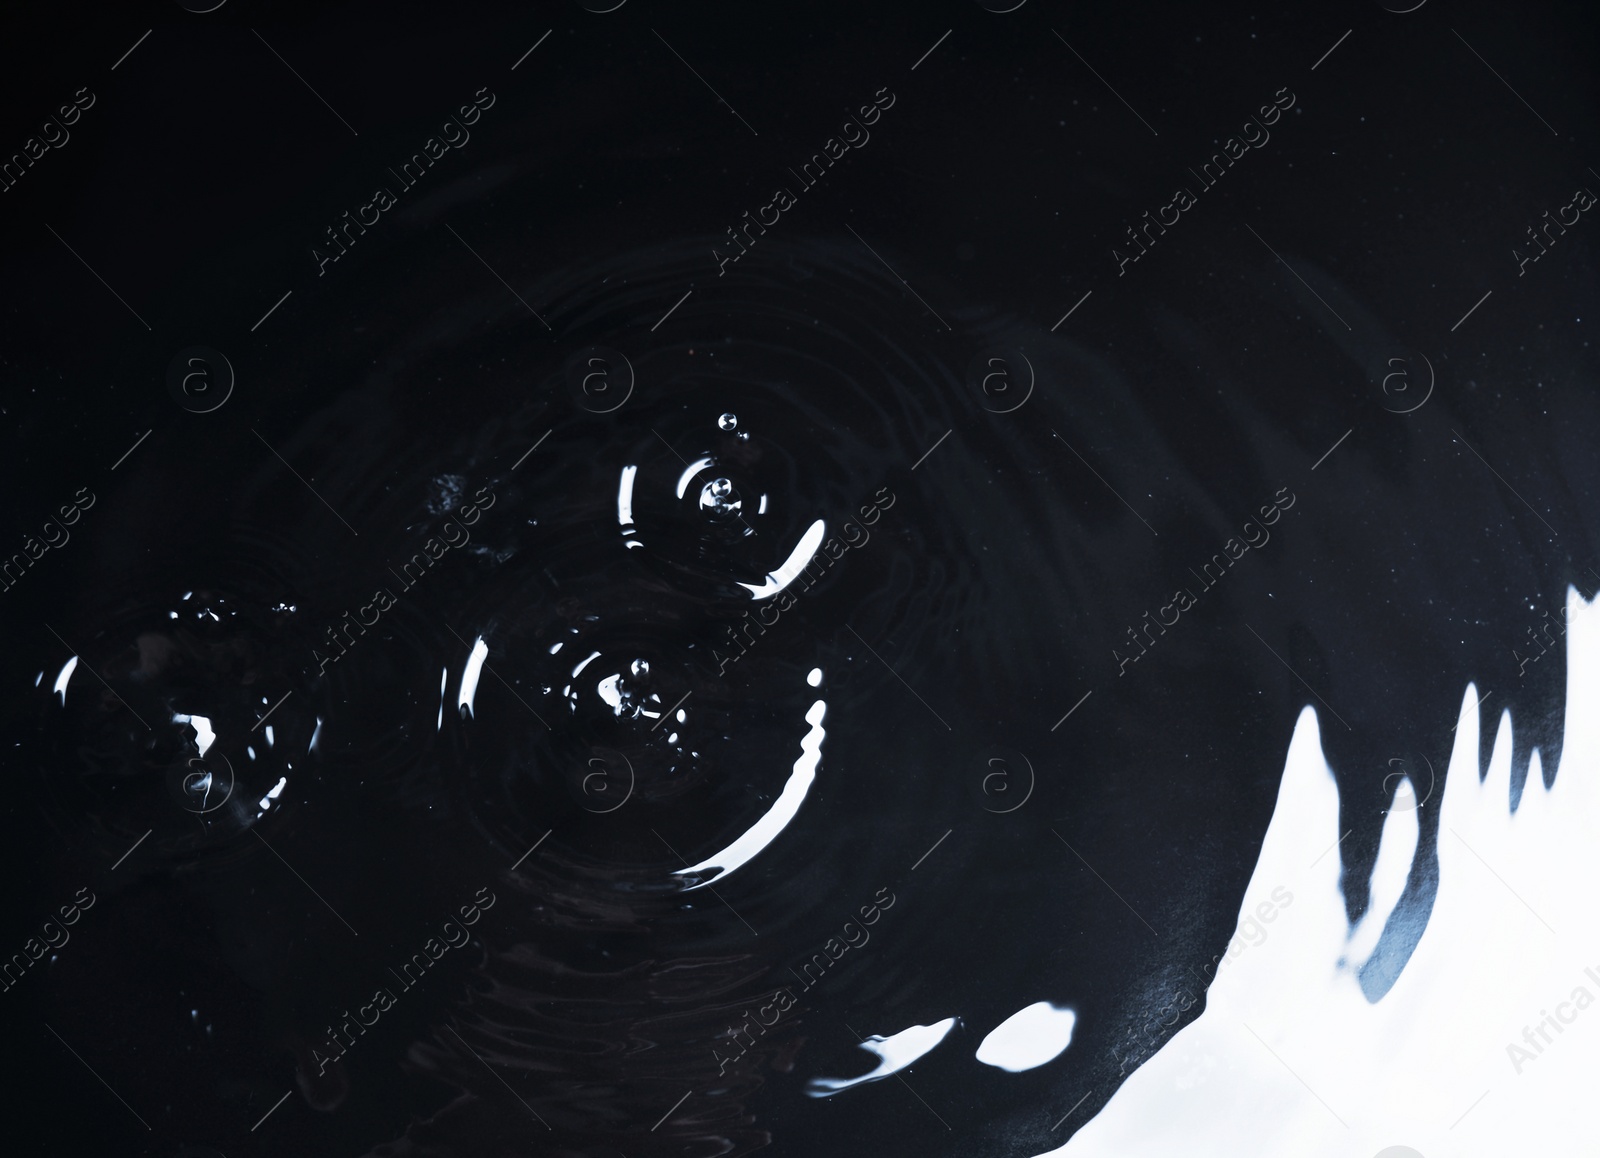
(719,497)
(728,421)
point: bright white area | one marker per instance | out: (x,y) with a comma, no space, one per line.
(1030,1037)
(1489,1042)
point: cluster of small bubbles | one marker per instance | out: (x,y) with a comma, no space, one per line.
(728,422)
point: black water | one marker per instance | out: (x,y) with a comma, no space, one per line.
(993,544)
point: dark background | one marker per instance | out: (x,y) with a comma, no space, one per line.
(1178,398)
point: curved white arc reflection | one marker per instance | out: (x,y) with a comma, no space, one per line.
(690,471)
(66,675)
(764,831)
(895,1053)
(802,554)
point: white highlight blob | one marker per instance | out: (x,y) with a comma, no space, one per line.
(204,736)
(764,831)
(625,496)
(1029,1038)
(612,694)
(470,674)
(792,566)
(895,1052)
(272,794)
(814,677)
(1492,1025)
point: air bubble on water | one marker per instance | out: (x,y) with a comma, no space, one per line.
(728,421)
(721,488)
(640,668)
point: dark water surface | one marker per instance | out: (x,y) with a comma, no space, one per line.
(1075,579)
